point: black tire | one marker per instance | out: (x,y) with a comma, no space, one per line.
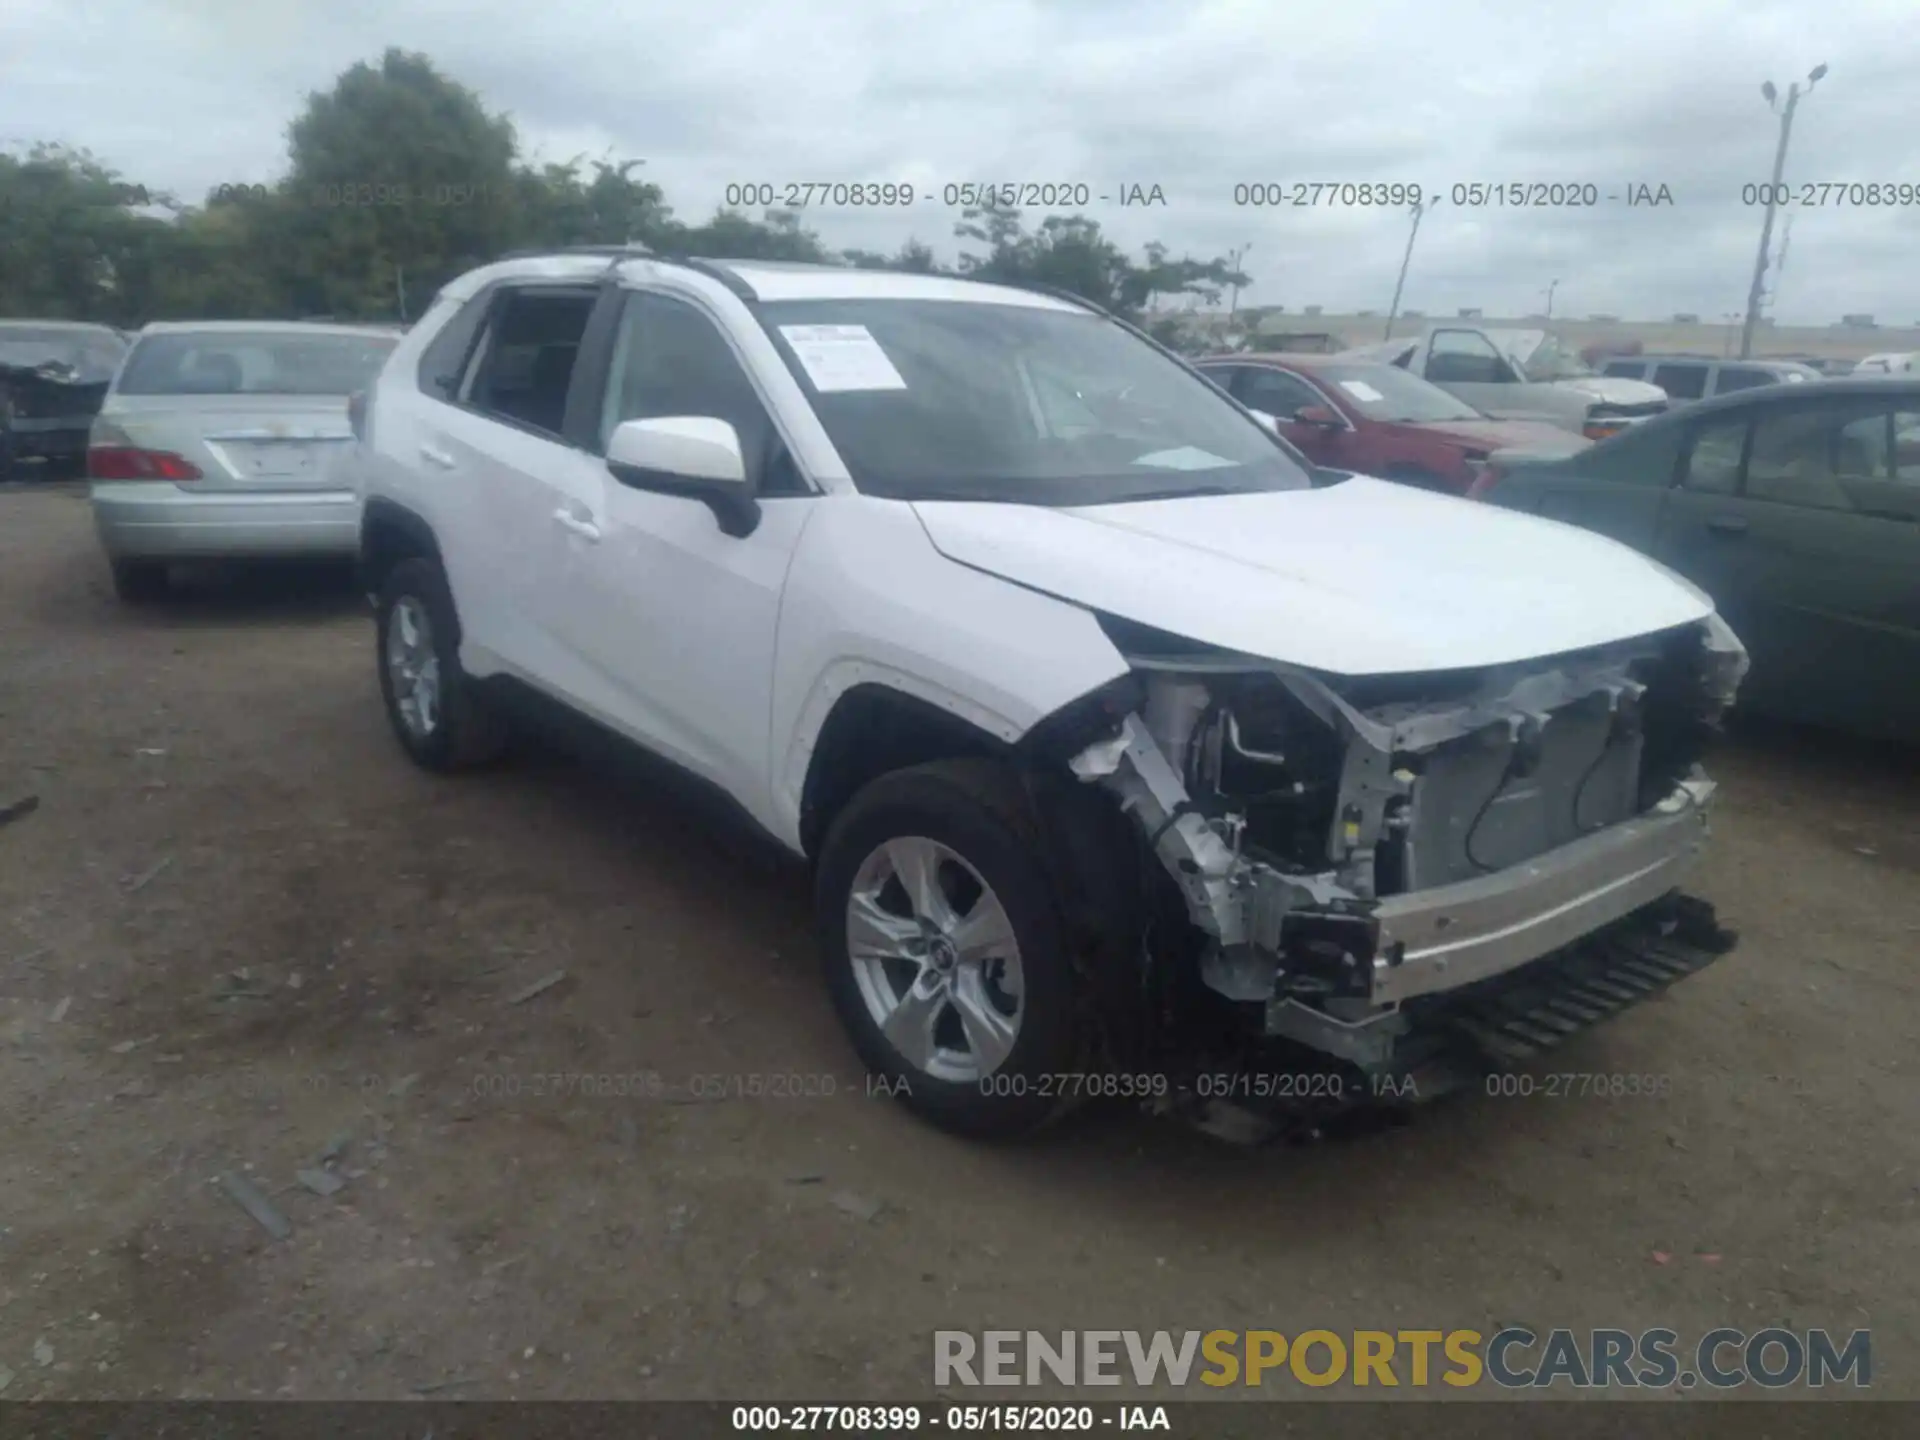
(466,731)
(978,810)
(140,582)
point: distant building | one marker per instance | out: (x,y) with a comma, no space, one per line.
(1681,317)
(1470,312)
(1358,314)
(1858,322)
(1413,314)
(1310,310)
(1604,319)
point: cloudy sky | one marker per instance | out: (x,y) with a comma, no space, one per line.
(1193,97)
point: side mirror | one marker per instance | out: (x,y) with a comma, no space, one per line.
(697,456)
(1320,416)
(1272,422)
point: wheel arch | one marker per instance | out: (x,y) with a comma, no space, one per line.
(875,727)
(389,534)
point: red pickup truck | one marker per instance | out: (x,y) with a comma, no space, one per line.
(1377,419)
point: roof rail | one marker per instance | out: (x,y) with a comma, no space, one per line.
(1056,291)
(713,270)
(633,249)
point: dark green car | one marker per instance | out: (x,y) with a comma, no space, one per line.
(1797,508)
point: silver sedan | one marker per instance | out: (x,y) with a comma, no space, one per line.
(229,440)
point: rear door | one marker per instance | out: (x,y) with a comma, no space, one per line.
(1810,543)
(522,499)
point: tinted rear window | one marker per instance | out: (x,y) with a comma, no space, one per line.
(93,353)
(241,362)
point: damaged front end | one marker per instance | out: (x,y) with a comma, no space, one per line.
(1400,882)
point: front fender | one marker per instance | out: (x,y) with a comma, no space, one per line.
(869,601)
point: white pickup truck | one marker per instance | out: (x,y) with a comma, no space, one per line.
(1520,374)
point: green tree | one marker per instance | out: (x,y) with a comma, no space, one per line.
(1068,252)
(397,175)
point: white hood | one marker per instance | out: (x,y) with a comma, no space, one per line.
(1360,578)
(1615,389)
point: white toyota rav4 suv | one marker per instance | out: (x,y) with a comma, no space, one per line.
(1129,760)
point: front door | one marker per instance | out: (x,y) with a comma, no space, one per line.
(1283,395)
(678,618)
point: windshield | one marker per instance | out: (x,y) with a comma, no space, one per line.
(956,400)
(253,362)
(93,353)
(1392,396)
(1550,360)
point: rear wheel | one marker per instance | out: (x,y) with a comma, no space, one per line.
(139,582)
(438,716)
(944,949)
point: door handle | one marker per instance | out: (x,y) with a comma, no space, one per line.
(437,458)
(585,529)
(1727,524)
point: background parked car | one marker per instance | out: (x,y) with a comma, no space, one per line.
(1891,363)
(52,377)
(1687,378)
(1377,420)
(1798,510)
(1519,374)
(225,440)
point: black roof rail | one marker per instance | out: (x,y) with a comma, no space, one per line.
(634,250)
(713,270)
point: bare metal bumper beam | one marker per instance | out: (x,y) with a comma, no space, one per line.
(1454,935)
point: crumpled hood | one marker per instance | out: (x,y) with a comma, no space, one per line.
(1615,389)
(1361,578)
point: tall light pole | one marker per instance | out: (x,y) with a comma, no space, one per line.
(1550,289)
(1794,92)
(1405,260)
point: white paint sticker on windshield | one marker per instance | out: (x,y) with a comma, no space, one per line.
(1186,457)
(1360,390)
(842,357)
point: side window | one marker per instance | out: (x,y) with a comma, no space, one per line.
(671,359)
(1464,357)
(1276,392)
(1713,460)
(1733,377)
(524,368)
(1626,369)
(445,357)
(1810,456)
(1681,382)
(1227,377)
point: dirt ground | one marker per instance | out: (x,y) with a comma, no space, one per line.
(240,929)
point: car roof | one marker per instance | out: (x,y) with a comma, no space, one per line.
(86,325)
(1755,362)
(768,280)
(1854,386)
(255,327)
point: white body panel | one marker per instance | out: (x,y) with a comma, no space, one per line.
(1361,578)
(727,654)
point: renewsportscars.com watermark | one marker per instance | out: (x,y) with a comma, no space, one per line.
(1513,1358)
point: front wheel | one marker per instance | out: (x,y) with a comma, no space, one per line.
(945,952)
